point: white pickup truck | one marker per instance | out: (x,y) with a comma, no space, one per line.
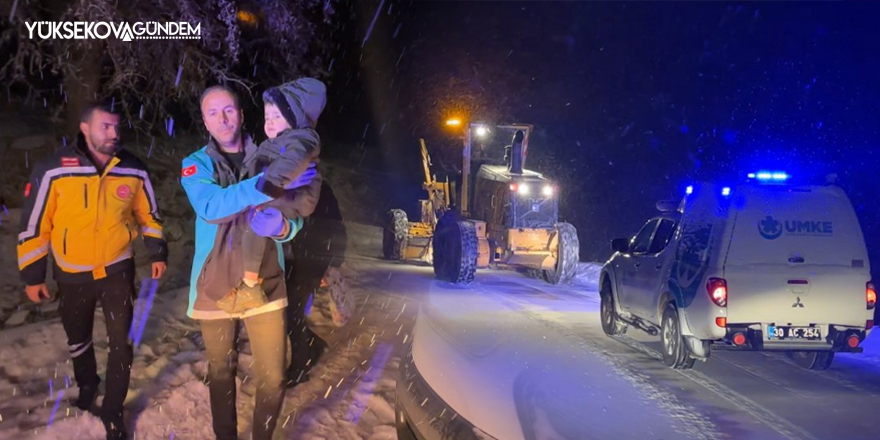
(764,265)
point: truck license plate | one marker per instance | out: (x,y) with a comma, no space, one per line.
(779,332)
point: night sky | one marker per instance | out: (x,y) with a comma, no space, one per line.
(631,101)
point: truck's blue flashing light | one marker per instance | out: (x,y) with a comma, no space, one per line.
(770,176)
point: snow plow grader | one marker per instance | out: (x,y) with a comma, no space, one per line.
(405,240)
(511,223)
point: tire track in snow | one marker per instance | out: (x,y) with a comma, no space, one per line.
(690,421)
(831,375)
(774,422)
(760,413)
(758,374)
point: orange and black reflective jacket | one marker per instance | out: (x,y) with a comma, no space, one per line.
(87,217)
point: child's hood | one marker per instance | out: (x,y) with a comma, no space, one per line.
(300,102)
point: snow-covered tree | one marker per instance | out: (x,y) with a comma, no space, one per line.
(246,43)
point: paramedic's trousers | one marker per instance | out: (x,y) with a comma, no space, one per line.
(269,348)
(77,308)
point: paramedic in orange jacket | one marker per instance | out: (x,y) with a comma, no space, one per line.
(86,204)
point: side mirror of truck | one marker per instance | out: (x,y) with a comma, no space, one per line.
(667,205)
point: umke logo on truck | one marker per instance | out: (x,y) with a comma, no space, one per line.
(771,228)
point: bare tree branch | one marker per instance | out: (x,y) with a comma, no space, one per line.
(145,72)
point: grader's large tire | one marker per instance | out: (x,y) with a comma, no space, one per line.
(395,235)
(568,256)
(455,250)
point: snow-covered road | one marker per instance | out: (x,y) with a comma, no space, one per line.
(481,342)
(506,346)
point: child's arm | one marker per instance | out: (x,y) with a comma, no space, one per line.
(297,152)
(300,202)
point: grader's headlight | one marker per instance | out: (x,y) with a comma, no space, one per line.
(547,191)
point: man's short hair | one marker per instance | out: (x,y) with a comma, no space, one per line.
(219,87)
(106,107)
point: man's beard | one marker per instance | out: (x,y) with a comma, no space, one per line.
(108,150)
(233,134)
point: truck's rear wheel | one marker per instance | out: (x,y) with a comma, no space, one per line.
(567,258)
(812,360)
(455,250)
(395,235)
(675,352)
(610,324)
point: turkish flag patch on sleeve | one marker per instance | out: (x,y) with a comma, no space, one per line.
(69,161)
(188,171)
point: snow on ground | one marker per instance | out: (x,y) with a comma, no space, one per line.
(350,394)
(869,359)
(587,276)
(506,348)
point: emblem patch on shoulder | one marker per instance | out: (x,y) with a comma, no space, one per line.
(70,161)
(123,191)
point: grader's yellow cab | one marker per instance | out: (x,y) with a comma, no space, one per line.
(506,216)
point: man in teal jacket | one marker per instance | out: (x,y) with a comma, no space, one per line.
(219,182)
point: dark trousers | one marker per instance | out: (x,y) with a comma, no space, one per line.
(318,246)
(305,277)
(267,339)
(77,308)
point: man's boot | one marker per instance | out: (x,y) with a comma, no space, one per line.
(87,396)
(115,427)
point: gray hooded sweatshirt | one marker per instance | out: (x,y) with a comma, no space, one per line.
(287,156)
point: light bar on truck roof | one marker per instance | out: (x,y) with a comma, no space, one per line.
(770,176)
